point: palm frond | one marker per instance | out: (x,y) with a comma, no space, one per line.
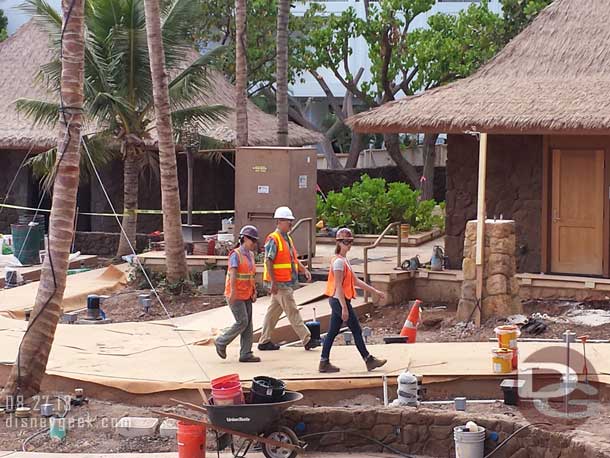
(41,112)
(43,167)
(50,75)
(102,152)
(176,22)
(204,114)
(45,15)
(194,80)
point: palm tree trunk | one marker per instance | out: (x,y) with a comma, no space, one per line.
(170,196)
(131,189)
(241,73)
(283,15)
(27,374)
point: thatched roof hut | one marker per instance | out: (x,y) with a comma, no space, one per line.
(553,77)
(21,56)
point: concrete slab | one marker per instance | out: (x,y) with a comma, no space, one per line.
(168,428)
(137,426)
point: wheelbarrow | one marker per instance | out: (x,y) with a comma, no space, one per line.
(254,423)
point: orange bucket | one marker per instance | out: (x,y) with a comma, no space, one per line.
(502,360)
(191,440)
(507,335)
(515,360)
(227,390)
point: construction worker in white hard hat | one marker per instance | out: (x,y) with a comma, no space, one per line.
(281,276)
(240,291)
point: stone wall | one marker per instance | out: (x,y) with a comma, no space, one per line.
(500,294)
(335,180)
(104,243)
(429,432)
(514,190)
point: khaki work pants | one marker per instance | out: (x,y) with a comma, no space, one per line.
(283,301)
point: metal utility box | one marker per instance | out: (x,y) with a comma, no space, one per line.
(269,177)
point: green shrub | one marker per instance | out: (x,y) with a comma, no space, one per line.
(370,204)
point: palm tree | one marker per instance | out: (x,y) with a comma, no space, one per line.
(118,89)
(170,196)
(283,15)
(27,374)
(241,73)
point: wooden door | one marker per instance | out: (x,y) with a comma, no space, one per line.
(577,212)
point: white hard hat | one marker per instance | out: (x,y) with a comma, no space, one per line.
(283,213)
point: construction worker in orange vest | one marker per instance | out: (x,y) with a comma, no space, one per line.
(281,272)
(341,289)
(240,291)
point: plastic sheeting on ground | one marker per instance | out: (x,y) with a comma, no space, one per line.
(15,302)
(150,357)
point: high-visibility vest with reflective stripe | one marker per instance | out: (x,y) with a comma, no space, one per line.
(245,283)
(284,263)
(349,289)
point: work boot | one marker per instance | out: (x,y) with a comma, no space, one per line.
(311,343)
(268,346)
(327,368)
(249,359)
(220,350)
(373,363)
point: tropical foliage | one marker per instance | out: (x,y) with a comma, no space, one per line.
(370,204)
(3,25)
(118,82)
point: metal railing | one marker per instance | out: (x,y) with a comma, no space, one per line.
(310,238)
(375,244)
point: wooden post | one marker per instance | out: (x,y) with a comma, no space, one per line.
(481,215)
(190,163)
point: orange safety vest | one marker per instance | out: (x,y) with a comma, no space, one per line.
(349,290)
(284,263)
(245,283)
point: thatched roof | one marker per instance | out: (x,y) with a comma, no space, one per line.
(21,56)
(552,78)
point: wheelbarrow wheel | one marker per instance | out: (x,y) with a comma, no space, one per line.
(285,435)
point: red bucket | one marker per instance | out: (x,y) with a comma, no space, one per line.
(191,440)
(227,390)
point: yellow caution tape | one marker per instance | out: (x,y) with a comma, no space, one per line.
(139,212)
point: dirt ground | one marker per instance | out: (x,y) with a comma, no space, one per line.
(439,323)
(125,306)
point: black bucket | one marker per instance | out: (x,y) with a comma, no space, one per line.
(266,390)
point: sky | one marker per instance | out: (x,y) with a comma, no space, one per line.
(15,17)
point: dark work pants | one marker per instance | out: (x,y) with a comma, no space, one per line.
(335,326)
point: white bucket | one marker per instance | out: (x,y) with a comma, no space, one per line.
(467,444)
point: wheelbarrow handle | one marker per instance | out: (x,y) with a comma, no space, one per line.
(191,405)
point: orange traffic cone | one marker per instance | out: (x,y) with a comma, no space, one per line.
(409,329)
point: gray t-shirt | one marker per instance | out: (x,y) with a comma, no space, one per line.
(339,264)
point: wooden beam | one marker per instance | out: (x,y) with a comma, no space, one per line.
(481,216)
(545,227)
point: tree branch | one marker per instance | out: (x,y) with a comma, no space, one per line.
(404,85)
(329,95)
(386,53)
